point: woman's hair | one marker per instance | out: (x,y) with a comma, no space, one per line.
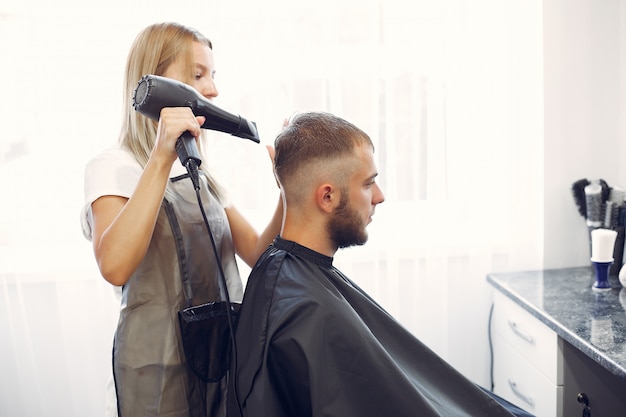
(315,142)
(153,51)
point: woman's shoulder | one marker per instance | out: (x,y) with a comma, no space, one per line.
(114,155)
(113,171)
(114,159)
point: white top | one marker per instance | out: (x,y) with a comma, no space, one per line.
(114,172)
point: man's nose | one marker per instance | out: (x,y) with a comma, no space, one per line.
(379,197)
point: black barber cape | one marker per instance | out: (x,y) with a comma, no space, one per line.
(312,343)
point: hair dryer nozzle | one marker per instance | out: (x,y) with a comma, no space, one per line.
(247,130)
(154,92)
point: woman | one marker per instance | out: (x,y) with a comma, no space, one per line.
(142,216)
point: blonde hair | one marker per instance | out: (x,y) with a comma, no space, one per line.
(153,51)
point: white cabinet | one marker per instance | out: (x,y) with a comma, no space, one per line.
(527,359)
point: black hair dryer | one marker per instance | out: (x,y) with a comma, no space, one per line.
(154,92)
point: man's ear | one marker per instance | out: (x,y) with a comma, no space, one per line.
(327,197)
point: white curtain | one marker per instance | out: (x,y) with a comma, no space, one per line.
(450,92)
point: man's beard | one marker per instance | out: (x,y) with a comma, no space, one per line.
(345,226)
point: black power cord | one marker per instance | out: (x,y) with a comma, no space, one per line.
(229,312)
(189,156)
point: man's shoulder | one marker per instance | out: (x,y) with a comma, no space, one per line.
(279,265)
(270,268)
(280,275)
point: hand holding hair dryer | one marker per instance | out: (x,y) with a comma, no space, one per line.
(154,92)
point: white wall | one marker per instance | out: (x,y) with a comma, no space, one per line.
(584,99)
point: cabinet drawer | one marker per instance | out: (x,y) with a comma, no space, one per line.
(523,385)
(533,340)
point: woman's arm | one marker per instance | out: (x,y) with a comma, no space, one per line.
(123,227)
(249,244)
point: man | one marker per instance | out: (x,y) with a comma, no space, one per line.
(309,341)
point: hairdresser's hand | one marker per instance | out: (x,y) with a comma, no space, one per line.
(173,122)
(272,153)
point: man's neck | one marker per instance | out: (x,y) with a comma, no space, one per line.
(308,235)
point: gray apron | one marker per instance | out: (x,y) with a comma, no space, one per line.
(151,374)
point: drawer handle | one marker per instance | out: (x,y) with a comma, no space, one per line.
(518,332)
(523,397)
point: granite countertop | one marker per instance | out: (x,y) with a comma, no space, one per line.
(593,322)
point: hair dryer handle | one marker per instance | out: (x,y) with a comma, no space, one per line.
(189,156)
(187,149)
